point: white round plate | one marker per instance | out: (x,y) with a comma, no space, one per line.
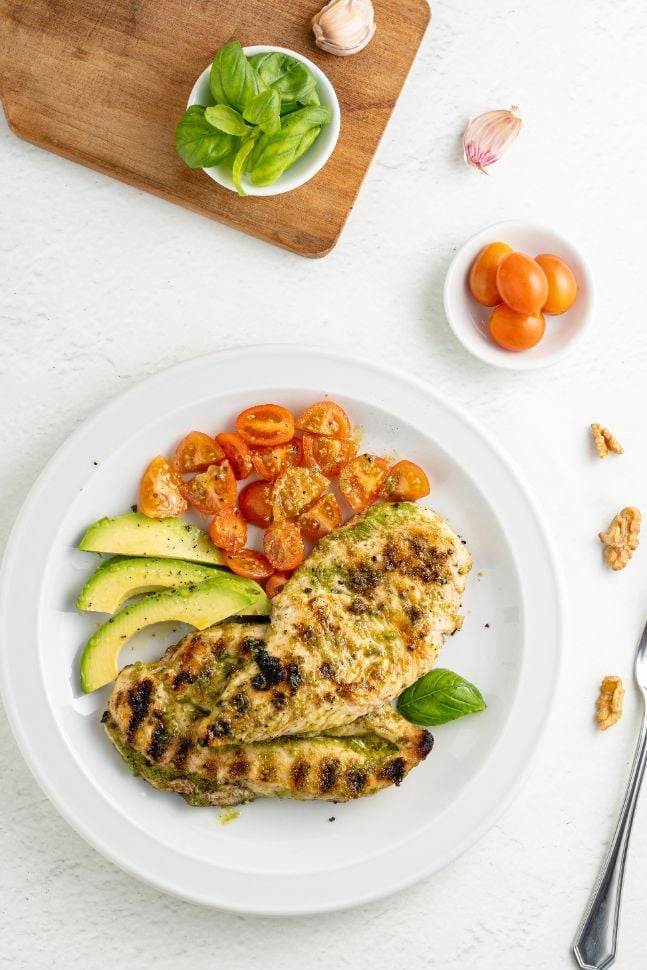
(282,857)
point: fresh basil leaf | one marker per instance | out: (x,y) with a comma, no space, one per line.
(274,154)
(287,107)
(233,79)
(226,119)
(438,697)
(198,143)
(290,77)
(241,163)
(265,111)
(311,98)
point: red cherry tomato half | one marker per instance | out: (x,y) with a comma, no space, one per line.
(196,452)
(250,564)
(361,479)
(325,417)
(321,518)
(327,454)
(294,490)
(160,493)
(208,491)
(237,454)
(255,502)
(265,424)
(405,482)
(228,529)
(283,545)
(275,584)
(269,461)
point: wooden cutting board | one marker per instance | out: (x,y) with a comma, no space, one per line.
(104,83)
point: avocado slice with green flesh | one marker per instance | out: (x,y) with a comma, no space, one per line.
(200,604)
(135,534)
(121,579)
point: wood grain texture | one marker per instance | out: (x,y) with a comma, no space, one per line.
(104,84)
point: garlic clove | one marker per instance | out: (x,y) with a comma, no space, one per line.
(344,27)
(489,135)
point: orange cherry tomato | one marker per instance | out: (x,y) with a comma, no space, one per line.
(255,502)
(562,285)
(325,417)
(327,454)
(275,584)
(265,424)
(237,454)
(208,491)
(405,482)
(196,452)
(295,490)
(482,275)
(516,331)
(269,461)
(283,545)
(522,283)
(361,479)
(321,518)
(250,564)
(228,529)
(159,490)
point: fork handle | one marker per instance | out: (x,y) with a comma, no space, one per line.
(595,944)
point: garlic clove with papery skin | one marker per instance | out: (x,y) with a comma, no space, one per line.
(489,135)
(344,27)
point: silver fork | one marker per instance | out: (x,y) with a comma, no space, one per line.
(595,944)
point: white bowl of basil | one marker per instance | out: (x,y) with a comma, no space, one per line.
(260,120)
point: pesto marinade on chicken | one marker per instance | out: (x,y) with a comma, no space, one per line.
(299,707)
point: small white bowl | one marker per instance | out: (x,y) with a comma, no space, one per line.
(310,162)
(469,320)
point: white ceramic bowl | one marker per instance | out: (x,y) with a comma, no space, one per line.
(310,162)
(469,320)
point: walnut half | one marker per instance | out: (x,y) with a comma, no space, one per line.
(622,537)
(609,704)
(605,441)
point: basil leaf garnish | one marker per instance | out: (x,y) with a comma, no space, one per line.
(438,697)
(273,154)
(198,143)
(241,163)
(265,111)
(233,79)
(226,119)
(290,77)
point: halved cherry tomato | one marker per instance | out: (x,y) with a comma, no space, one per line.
(250,564)
(361,479)
(283,545)
(228,529)
(265,424)
(295,490)
(482,277)
(269,461)
(321,518)
(275,584)
(325,417)
(522,283)
(562,285)
(196,452)
(405,482)
(237,454)
(327,454)
(159,490)
(516,331)
(209,491)
(255,502)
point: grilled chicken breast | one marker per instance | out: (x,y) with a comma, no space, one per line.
(360,620)
(299,707)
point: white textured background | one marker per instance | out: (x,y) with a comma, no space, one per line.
(102,285)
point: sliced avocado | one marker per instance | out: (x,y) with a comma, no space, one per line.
(200,604)
(135,534)
(121,579)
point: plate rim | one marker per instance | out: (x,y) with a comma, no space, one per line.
(12,549)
